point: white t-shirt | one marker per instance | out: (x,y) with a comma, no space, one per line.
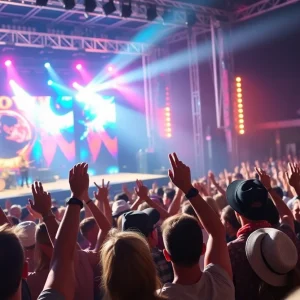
(215,284)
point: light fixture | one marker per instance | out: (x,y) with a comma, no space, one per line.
(47,65)
(191,18)
(90,5)
(126,10)
(50,82)
(69,4)
(8,63)
(79,67)
(109,7)
(151,12)
(41,2)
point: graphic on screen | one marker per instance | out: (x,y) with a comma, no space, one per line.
(95,123)
(37,128)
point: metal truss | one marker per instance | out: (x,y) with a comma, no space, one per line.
(139,12)
(260,8)
(73,43)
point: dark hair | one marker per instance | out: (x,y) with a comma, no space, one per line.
(170,193)
(159,192)
(238,176)
(189,210)
(229,216)
(272,214)
(183,239)
(24,213)
(86,225)
(268,292)
(11,261)
(54,209)
(14,220)
(278,190)
(121,196)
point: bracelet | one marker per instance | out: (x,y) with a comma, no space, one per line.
(89,202)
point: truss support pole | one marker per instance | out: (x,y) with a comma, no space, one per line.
(196,104)
(223,70)
(149,104)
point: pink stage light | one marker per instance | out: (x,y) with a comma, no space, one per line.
(79,67)
(8,63)
(75,84)
(110,69)
(11,82)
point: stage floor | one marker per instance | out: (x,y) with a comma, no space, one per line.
(63,184)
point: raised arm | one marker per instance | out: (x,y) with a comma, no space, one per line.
(285,213)
(142,192)
(175,204)
(216,251)
(99,217)
(3,218)
(61,276)
(212,178)
(41,204)
(294,177)
(102,196)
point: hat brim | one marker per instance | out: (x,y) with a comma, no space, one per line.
(231,195)
(256,260)
(116,215)
(153,214)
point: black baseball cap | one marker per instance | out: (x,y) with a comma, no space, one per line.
(140,221)
(249,198)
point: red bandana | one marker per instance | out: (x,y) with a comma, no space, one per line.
(250,227)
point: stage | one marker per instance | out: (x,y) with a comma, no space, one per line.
(60,189)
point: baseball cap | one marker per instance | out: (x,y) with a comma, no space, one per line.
(119,207)
(248,198)
(27,233)
(141,221)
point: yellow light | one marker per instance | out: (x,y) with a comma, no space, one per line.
(242,131)
(168,124)
(167,108)
(239,84)
(168,119)
(240,111)
(167,114)
(241,121)
(241,116)
(169,135)
(241,126)
(240,105)
(238,79)
(240,100)
(239,95)
(239,90)
(169,130)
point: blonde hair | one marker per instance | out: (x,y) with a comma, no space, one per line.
(128,270)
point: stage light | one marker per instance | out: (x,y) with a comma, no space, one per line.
(41,2)
(79,67)
(241,126)
(90,5)
(239,95)
(191,18)
(240,111)
(169,135)
(8,63)
(241,121)
(242,131)
(240,100)
(167,108)
(239,108)
(11,82)
(151,12)
(168,16)
(69,4)
(50,82)
(109,7)
(238,79)
(240,105)
(239,90)
(110,68)
(47,65)
(241,116)
(238,84)
(126,10)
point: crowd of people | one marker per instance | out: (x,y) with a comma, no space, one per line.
(228,236)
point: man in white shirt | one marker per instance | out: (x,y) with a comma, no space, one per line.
(184,245)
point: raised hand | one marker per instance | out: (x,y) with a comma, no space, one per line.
(180,174)
(294,176)
(141,190)
(264,178)
(41,202)
(79,180)
(102,192)
(211,176)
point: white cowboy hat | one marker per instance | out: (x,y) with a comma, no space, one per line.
(272,255)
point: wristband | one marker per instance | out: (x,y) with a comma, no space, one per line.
(75,201)
(192,193)
(89,202)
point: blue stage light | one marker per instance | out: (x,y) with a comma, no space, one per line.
(50,82)
(47,65)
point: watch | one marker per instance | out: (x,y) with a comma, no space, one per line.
(191,193)
(75,201)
